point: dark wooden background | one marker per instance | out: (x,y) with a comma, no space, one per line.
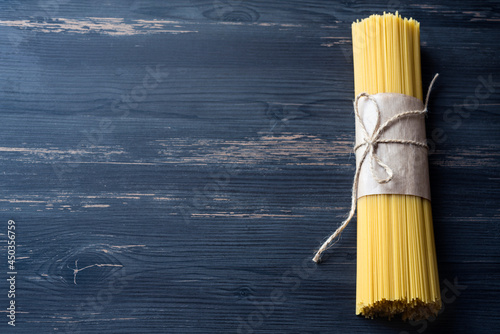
(190,156)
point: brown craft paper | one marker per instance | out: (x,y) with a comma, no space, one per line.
(408,162)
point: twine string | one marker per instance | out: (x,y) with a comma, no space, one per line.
(370,143)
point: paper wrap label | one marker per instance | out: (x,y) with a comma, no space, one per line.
(409,163)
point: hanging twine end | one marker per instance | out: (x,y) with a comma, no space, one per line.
(317,258)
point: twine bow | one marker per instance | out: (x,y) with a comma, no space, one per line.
(370,143)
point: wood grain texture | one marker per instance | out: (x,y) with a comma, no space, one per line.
(172,166)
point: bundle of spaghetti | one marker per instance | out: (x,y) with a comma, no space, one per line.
(396,256)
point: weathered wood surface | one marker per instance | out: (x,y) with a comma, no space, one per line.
(172,165)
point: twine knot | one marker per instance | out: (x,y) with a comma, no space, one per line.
(370,143)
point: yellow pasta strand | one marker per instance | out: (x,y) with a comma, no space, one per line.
(396,260)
